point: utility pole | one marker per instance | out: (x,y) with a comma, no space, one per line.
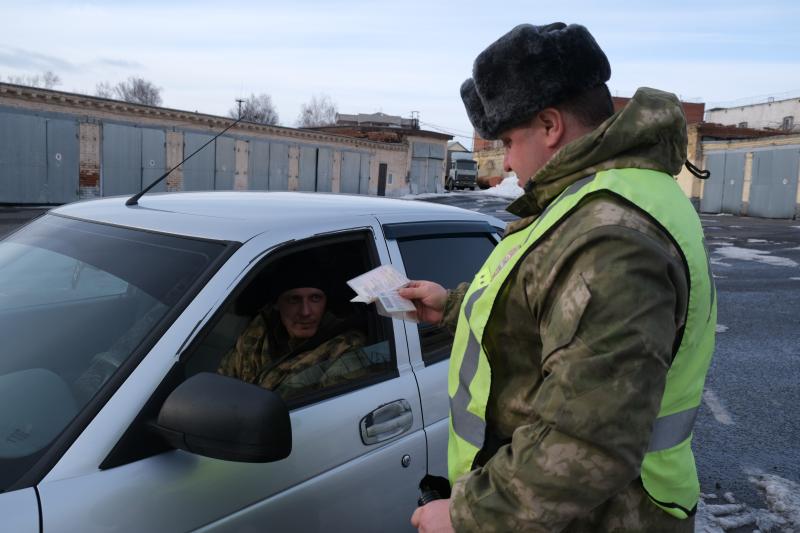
(239,102)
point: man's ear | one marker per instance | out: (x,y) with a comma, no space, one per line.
(554,126)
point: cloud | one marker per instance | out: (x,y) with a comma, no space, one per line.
(117,63)
(18,58)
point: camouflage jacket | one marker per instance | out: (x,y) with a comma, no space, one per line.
(264,355)
(579,343)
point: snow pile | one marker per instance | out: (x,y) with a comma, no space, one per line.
(747,254)
(783,498)
(508,188)
(782,514)
(721,328)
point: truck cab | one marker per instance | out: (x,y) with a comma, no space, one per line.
(462,174)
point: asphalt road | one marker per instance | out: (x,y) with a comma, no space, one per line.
(749,422)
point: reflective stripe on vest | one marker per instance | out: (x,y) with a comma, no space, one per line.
(470,426)
(668,470)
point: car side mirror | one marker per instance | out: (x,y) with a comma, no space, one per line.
(225,418)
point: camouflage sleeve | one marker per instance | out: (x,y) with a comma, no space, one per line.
(245,360)
(452,306)
(608,323)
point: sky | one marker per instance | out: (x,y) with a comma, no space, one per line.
(394,57)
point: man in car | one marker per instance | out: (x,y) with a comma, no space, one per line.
(294,345)
(579,357)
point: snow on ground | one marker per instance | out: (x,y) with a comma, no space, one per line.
(717,409)
(508,188)
(748,254)
(721,328)
(422,195)
(781,515)
(757,240)
(795,279)
(717,243)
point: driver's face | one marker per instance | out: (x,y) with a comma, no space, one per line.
(301,311)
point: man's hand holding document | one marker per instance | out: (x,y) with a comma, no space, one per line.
(380,286)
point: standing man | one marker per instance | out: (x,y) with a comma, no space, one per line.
(582,345)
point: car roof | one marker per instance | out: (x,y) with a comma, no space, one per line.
(240,215)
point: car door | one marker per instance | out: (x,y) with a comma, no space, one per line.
(115,477)
(449,253)
(20,511)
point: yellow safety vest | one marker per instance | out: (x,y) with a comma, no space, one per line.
(668,470)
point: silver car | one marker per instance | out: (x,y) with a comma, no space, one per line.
(114,320)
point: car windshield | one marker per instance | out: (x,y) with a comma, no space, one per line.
(76,300)
(465,164)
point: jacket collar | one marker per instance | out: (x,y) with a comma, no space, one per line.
(648,133)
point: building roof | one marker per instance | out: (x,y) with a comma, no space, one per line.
(713,131)
(382,133)
(70,102)
(770,101)
(375,119)
(455,146)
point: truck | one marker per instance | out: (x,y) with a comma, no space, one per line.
(462,172)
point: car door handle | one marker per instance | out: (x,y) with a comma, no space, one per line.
(387,421)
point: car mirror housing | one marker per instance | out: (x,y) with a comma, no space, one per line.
(225,418)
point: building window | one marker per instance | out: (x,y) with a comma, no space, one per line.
(390,179)
(788,123)
(743,124)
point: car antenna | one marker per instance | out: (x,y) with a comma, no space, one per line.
(134,200)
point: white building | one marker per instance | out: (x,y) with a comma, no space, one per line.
(773,114)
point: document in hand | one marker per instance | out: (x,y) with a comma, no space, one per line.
(380,286)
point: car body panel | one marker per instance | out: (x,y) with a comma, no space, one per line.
(20,511)
(238,216)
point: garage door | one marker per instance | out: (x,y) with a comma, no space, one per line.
(774,186)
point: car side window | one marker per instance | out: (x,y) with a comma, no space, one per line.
(291,328)
(448,260)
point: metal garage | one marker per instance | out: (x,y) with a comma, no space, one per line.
(774,183)
(722,192)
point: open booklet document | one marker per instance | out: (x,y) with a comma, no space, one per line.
(380,286)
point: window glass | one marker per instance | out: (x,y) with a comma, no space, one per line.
(447,260)
(76,300)
(278,333)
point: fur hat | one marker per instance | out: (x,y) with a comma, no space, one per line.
(528,69)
